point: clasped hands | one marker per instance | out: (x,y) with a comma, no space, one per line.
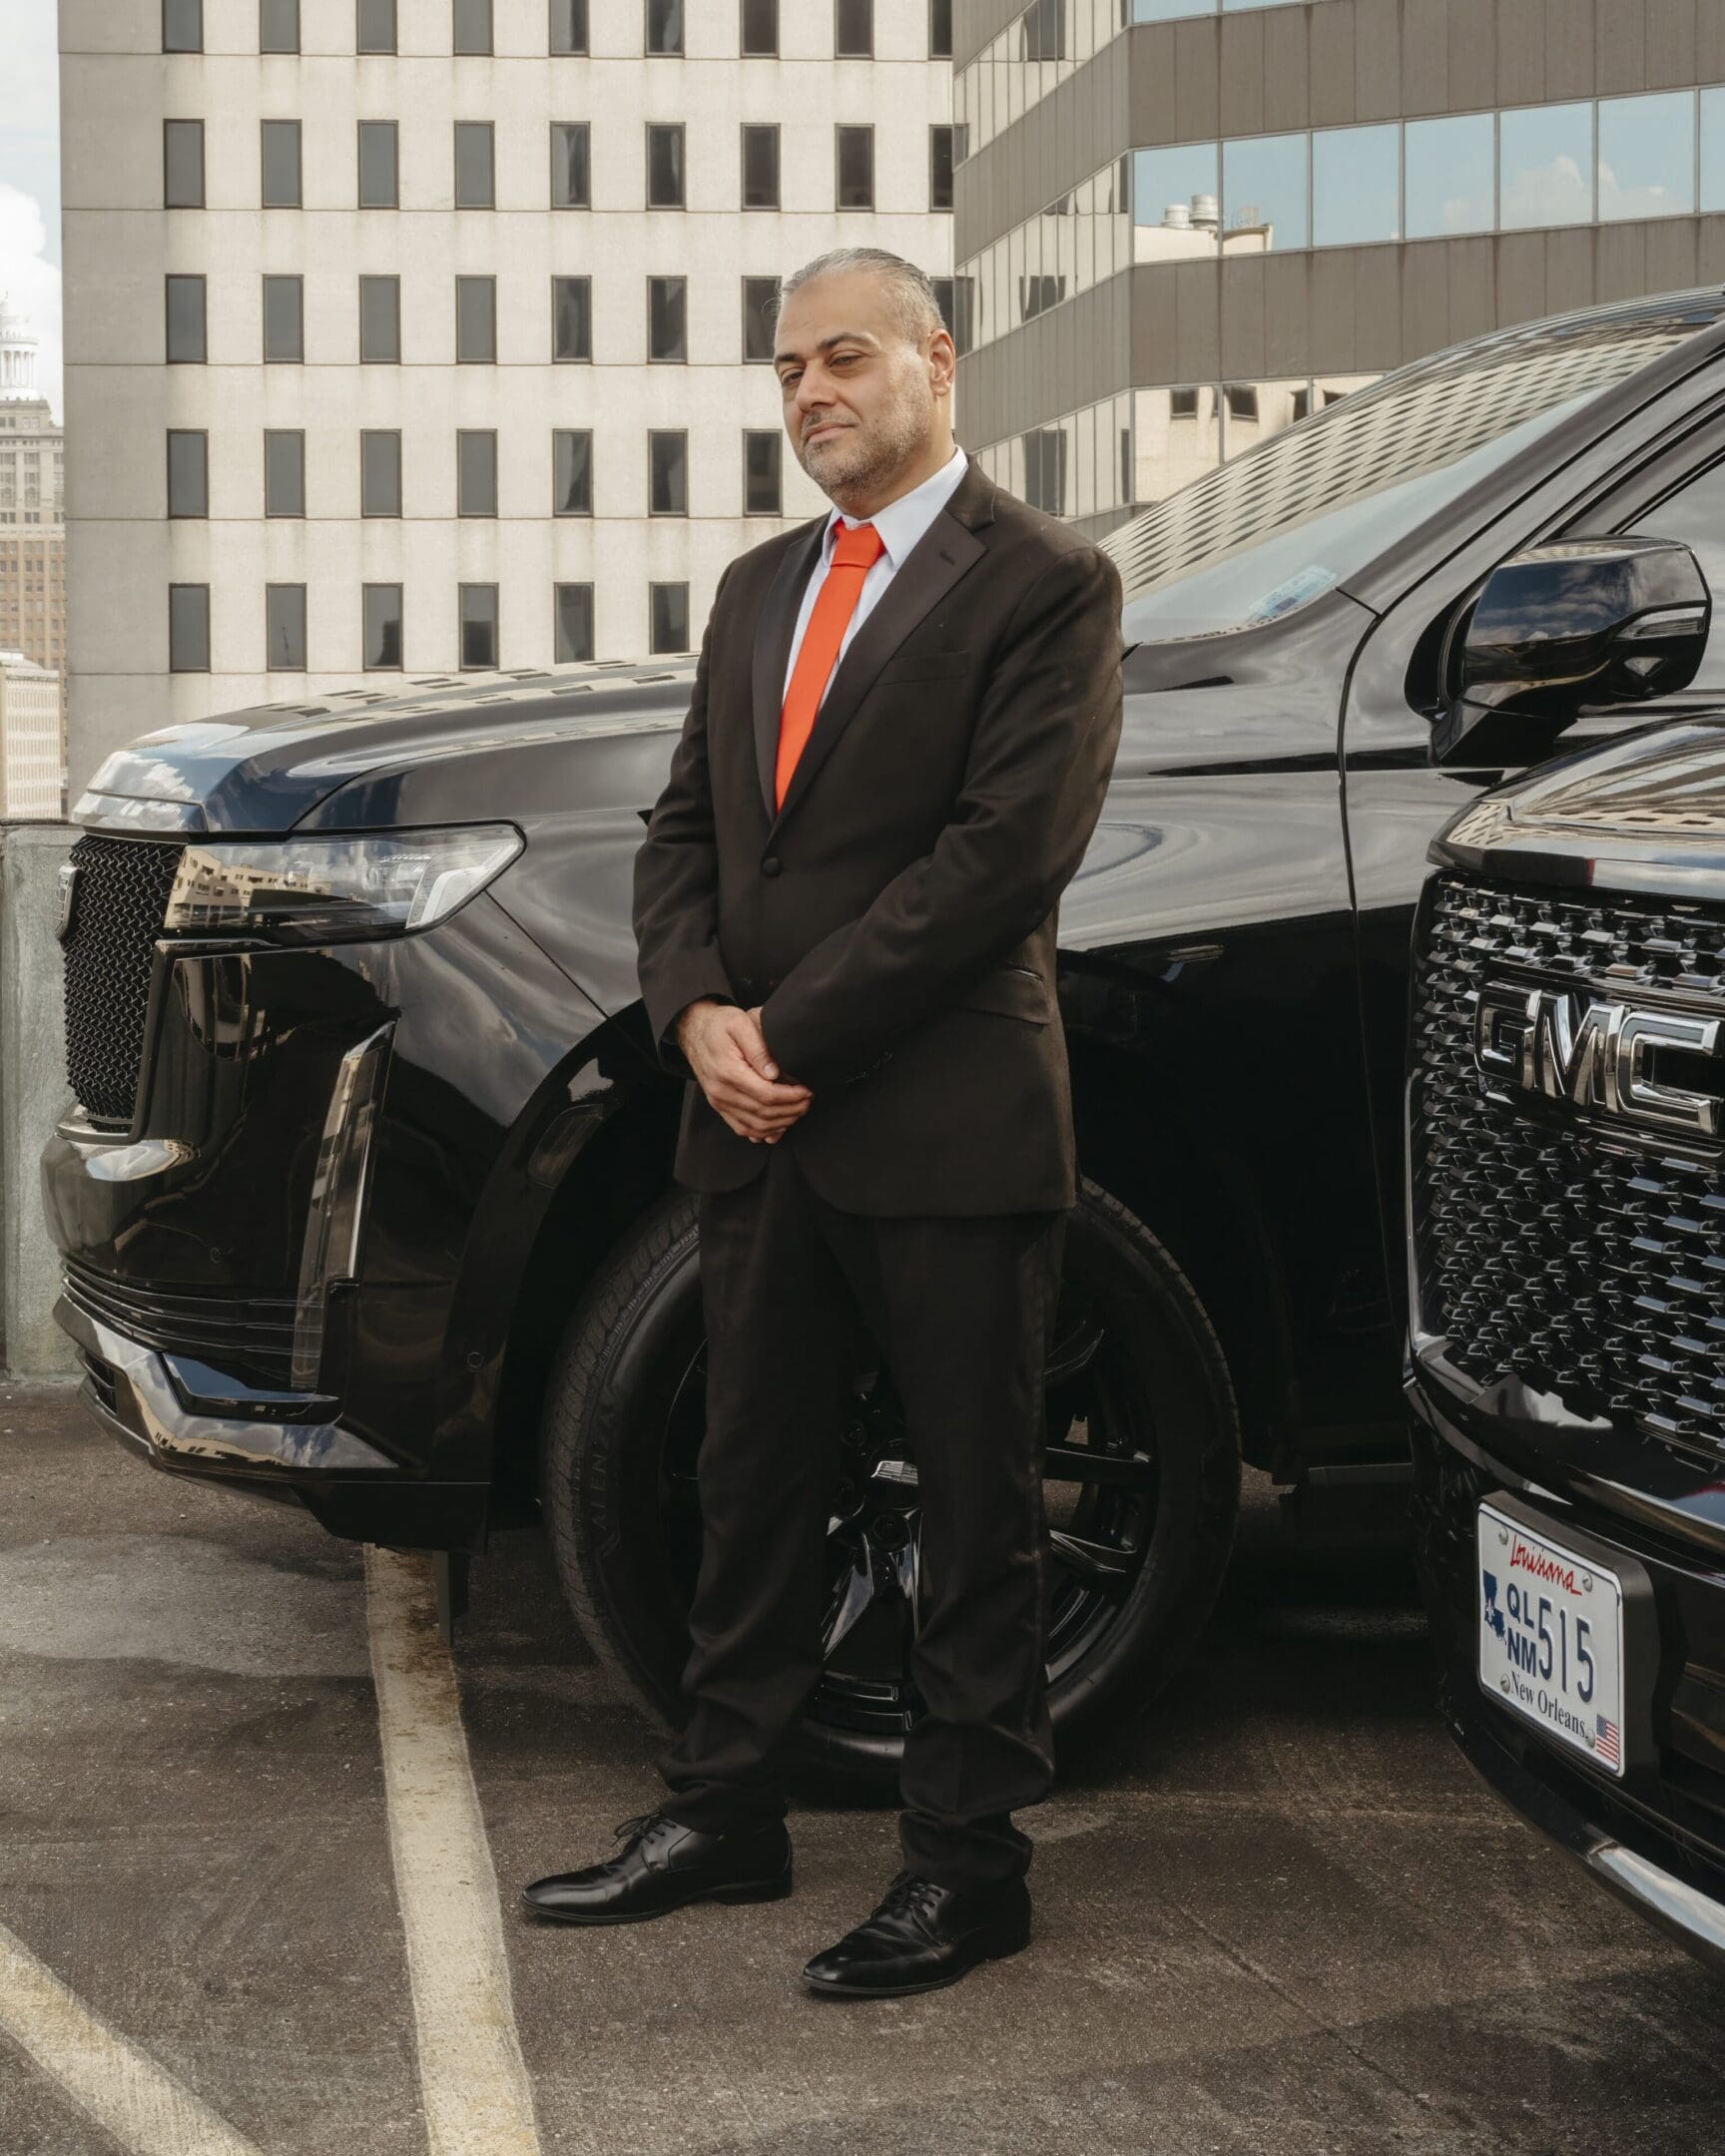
(727,1050)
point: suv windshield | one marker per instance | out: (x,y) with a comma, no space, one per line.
(1291,516)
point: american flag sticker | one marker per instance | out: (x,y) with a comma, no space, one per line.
(1606,1740)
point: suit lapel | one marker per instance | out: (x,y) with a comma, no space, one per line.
(922,579)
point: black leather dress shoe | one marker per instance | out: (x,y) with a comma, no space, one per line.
(923,1935)
(664,1864)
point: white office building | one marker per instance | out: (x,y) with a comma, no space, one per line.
(404,337)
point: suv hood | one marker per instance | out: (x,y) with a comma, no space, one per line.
(265,769)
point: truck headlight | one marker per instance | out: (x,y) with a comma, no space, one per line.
(336,890)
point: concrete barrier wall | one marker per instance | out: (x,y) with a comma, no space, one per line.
(33,1091)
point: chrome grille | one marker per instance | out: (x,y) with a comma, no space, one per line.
(1586,1258)
(122,894)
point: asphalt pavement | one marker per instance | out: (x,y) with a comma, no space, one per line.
(1276,1915)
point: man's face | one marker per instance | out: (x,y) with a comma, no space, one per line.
(859,399)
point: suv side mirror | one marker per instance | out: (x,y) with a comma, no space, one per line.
(1581,621)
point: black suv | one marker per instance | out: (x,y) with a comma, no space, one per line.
(365,1193)
(1567,1325)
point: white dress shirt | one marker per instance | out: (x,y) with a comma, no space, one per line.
(900,524)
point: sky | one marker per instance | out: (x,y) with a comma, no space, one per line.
(30,179)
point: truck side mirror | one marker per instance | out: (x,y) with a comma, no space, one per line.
(1578,622)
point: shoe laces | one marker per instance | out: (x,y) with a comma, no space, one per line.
(638,1825)
(908,1895)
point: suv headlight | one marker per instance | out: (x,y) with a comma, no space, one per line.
(338,890)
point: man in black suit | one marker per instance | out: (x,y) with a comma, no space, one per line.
(903,721)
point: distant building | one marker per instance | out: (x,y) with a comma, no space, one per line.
(1181,225)
(31,753)
(417,339)
(32,562)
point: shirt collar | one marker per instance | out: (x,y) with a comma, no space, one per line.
(903,522)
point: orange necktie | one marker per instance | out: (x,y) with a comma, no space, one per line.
(856,549)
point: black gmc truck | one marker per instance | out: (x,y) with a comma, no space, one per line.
(1566,1106)
(363,1193)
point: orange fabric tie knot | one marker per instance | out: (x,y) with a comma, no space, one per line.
(856,549)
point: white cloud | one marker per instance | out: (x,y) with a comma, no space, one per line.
(31,283)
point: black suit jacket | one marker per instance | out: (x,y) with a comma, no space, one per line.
(897,918)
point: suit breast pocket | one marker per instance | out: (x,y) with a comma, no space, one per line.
(925,666)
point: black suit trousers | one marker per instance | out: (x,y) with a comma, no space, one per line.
(960,1307)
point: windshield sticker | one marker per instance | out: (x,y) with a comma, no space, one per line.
(1293,591)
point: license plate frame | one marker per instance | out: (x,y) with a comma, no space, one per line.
(1548,1577)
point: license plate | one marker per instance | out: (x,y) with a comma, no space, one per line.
(1551,1637)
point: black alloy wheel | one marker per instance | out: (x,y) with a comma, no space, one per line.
(1141,1485)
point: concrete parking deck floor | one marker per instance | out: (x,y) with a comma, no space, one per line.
(1276,1915)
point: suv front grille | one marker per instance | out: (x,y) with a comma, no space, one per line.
(121,898)
(1586,1257)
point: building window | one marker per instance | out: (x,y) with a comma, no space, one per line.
(939,167)
(571,173)
(664,166)
(664,26)
(855,160)
(182,25)
(572,471)
(187,472)
(572,317)
(479,625)
(476,320)
(380,472)
(379,321)
(285,628)
(760,306)
(189,628)
(284,317)
(476,472)
(472,26)
(1447,169)
(277,26)
(1356,185)
(182,164)
(380,607)
(668,473)
(760,29)
(569,33)
(475,177)
(1045,469)
(1183,403)
(1043,31)
(762,468)
(185,310)
(854,29)
(375,26)
(1240,400)
(379,165)
(281,156)
(667,318)
(284,472)
(760,167)
(668,609)
(953,296)
(572,620)
(939,29)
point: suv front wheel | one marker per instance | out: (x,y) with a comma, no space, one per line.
(1141,1485)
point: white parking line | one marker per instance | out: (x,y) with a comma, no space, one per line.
(133,2099)
(477,2097)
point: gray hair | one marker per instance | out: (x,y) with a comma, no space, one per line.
(909,294)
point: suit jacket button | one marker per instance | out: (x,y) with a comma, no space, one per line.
(770,865)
